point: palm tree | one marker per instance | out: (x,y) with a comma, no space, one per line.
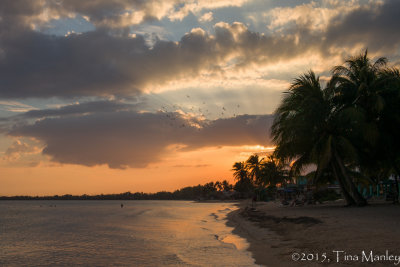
(226,185)
(209,188)
(310,129)
(218,185)
(373,90)
(244,184)
(358,83)
(254,165)
(273,171)
(240,171)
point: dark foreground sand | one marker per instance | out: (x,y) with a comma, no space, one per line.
(275,232)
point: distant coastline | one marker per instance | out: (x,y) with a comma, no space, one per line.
(144,196)
(207,192)
(122,196)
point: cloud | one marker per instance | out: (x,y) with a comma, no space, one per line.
(98,64)
(19,148)
(104,63)
(135,139)
(111,14)
(101,13)
(374,27)
(236,131)
(80,109)
(314,15)
(191,166)
(125,13)
(20,13)
(15,106)
(117,13)
(206,17)
(38,65)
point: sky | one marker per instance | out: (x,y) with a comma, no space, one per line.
(109,96)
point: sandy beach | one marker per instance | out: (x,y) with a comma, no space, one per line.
(276,233)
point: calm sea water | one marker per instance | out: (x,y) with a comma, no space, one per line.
(101,233)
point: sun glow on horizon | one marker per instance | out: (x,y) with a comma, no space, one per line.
(122,102)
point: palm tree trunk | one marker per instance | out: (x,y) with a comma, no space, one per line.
(396,197)
(397,170)
(349,200)
(352,189)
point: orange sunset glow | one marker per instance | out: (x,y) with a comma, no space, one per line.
(180,170)
(158,95)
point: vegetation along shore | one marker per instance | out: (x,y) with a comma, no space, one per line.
(329,187)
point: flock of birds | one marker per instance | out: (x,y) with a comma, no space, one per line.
(176,115)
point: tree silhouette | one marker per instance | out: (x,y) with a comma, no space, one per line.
(345,129)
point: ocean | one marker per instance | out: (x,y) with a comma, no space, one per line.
(101,233)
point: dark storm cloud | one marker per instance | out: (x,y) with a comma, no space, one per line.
(79,109)
(95,63)
(38,65)
(375,28)
(240,130)
(17,13)
(132,139)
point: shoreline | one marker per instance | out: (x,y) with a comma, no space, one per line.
(275,232)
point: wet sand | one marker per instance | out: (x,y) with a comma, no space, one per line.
(275,232)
